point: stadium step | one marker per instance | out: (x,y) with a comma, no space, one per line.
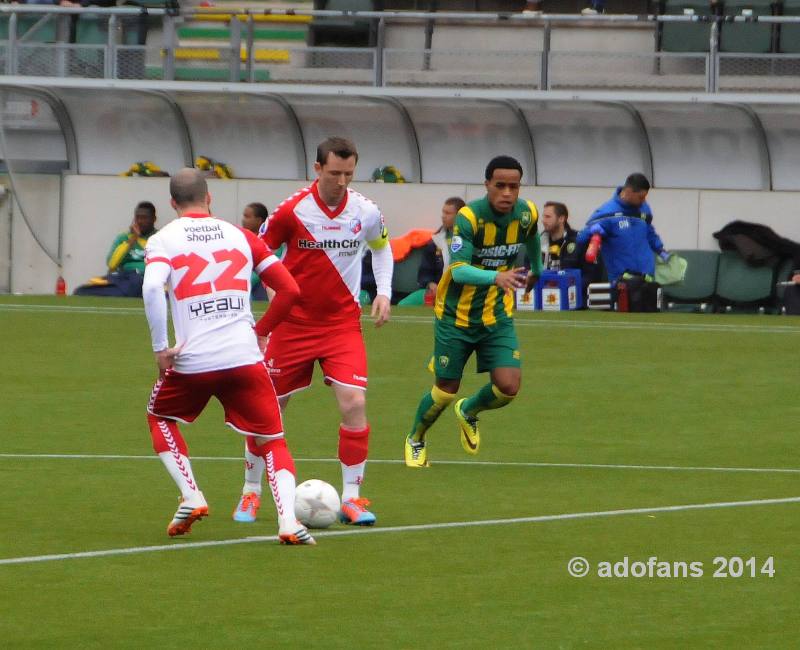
(204,74)
(224,34)
(216,54)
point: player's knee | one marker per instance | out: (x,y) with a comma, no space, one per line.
(448,386)
(508,387)
(442,397)
(166,436)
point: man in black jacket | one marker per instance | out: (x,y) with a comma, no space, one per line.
(560,249)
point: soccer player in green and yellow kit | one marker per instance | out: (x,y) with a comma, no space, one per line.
(474,307)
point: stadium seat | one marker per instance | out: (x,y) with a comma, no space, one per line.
(746,37)
(739,284)
(700,281)
(686,37)
(789,42)
(45,32)
(404,280)
(413,299)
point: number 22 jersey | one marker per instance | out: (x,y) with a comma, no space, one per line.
(207,264)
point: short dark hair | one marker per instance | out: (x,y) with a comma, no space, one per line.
(456,201)
(502,162)
(559,208)
(637,182)
(188,186)
(146,205)
(260,210)
(340,147)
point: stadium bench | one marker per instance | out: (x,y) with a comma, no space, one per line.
(700,282)
(742,285)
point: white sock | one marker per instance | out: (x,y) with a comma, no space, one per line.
(180,469)
(282,486)
(253,472)
(352,478)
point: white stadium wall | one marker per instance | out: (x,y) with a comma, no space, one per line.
(32,271)
(710,161)
(97,208)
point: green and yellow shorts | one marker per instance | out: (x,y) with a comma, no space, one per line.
(495,347)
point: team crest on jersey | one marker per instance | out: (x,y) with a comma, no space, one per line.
(443,361)
(456,244)
(525,219)
(571,247)
(355,226)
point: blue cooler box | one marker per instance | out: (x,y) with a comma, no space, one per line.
(559,290)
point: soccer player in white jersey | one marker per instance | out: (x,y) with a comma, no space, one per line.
(206,264)
(325,228)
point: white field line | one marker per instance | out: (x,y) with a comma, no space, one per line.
(398,529)
(474,463)
(520,320)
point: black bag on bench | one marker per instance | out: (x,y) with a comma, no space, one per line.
(635,292)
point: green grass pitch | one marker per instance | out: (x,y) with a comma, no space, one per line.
(617,412)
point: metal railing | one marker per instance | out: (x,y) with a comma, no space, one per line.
(236,60)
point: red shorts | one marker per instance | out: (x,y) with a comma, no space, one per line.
(245,392)
(293,349)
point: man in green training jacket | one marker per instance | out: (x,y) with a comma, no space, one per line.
(474,307)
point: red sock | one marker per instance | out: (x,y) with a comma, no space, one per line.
(353,445)
(281,457)
(166,436)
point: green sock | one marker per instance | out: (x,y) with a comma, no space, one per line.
(428,411)
(487,398)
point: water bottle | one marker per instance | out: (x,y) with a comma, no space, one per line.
(593,248)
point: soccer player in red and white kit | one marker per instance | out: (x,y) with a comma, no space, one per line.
(325,228)
(206,263)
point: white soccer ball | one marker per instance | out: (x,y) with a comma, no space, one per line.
(316,503)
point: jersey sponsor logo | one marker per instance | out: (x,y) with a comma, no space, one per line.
(359,377)
(355,226)
(334,226)
(456,244)
(492,263)
(622,224)
(262,229)
(328,244)
(502,250)
(217,307)
(203,233)
(515,354)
